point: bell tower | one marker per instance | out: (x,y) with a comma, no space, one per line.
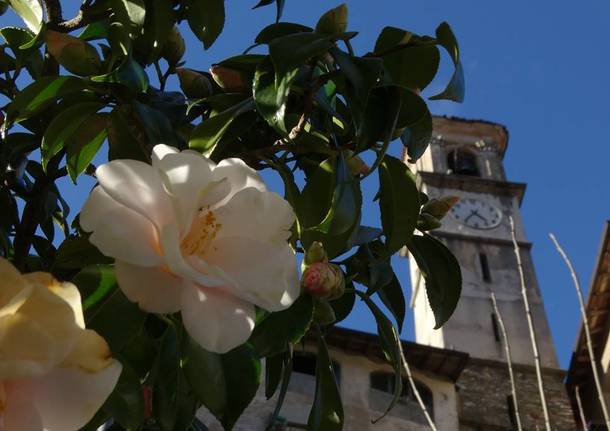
(464,159)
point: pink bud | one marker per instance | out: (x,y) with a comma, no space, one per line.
(323,280)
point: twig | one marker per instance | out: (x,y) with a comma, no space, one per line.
(530,323)
(53,8)
(509,361)
(585,324)
(418,397)
(581,411)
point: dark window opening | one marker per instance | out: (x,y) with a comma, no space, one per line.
(512,414)
(386,382)
(462,162)
(485,267)
(495,327)
(305,363)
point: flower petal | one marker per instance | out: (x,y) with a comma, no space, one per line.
(215,319)
(155,290)
(21,415)
(66,291)
(90,352)
(138,186)
(118,231)
(265,274)
(12,281)
(188,179)
(262,216)
(161,150)
(67,398)
(239,175)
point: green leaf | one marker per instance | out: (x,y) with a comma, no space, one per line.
(165,389)
(95,30)
(130,12)
(126,402)
(270,92)
(279,5)
(62,127)
(209,132)
(413,66)
(398,203)
(391,37)
(390,344)
(85,143)
(333,22)
(116,319)
(40,94)
(416,137)
(294,50)
(280,29)
(224,383)
(393,298)
(125,141)
(95,282)
(30,11)
(456,87)
(327,410)
(442,273)
(206,19)
(74,54)
(158,26)
(276,331)
(362,73)
(343,306)
(24,45)
(128,73)
(274,368)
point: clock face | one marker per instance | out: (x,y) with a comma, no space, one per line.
(476,214)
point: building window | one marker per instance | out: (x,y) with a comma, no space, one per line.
(495,327)
(485,267)
(462,162)
(382,390)
(303,378)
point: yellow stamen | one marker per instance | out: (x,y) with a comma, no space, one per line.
(203,231)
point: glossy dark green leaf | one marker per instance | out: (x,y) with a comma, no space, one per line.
(129,12)
(30,11)
(380,119)
(126,402)
(125,138)
(74,54)
(343,306)
(390,344)
(206,19)
(280,29)
(274,368)
(209,132)
(165,389)
(84,144)
(442,274)
(24,45)
(128,73)
(77,252)
(456,87)
(157,26)
(279,5)
(413,66)
(367,234)
(95,30)
(333,22)
(285,381)
(390,38)
(270,93)
(273,334)
(327,409)
(215,377)
(95,283)
(393,298)
(39,94)
(116,319)
(156,126)
(63,126)
(398,203)
(416,137)
(294,50)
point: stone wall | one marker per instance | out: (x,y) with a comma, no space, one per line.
(483,389)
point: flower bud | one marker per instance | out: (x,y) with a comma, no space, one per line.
(174,47)
(323,280)
(228,79)
(195,85)
(316,253)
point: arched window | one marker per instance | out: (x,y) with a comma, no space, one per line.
(382,390)
(462,162)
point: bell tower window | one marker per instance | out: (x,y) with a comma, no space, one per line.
(462,162)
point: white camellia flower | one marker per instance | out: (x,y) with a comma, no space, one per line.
(192,236)
(54,373)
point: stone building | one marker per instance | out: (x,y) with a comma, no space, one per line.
(580,375)
(460,369)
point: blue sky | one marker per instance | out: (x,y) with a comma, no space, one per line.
(541,69)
